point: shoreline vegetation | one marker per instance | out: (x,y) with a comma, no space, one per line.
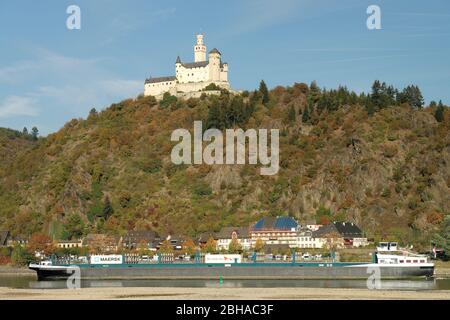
(220,293)
(16,271)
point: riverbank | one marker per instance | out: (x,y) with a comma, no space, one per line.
(442,272)
(16,271)
(442,269)
(219,293)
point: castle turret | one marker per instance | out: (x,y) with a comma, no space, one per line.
(177,67)
(199,49)
(214,65)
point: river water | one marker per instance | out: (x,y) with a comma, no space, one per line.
(29,282)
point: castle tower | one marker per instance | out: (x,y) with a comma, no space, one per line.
(214,65)
(199,49)
(177,67)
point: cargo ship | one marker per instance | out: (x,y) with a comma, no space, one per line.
(385,265)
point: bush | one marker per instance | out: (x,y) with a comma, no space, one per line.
(211,87)
(168,100)
(20,256)
(202,190)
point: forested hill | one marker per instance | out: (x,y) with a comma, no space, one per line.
(380,160)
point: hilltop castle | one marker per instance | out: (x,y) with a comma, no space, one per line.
(193,76)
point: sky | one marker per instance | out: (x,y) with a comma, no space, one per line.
(50,74)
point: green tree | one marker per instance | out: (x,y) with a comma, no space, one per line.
(305,116)
(20,256)
(291,114)
(382,96)
(314,92)
(74,226)
(439,113)
(107,209)
(264,92)
(376,95)
(412,96)
(211,87)
(442,239)
(168,100)
(34,133)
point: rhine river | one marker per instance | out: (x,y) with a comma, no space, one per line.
(29,282)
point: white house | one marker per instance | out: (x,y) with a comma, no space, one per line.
(227,234)
(305,239)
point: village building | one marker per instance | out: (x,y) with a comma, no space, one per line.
(102,243)
(352,234)
(203,238)
(69,244)
(8,240)
(341,235)
(275,230)
(313,226)
(138,239)
(228,234)
(176,241)
(305,239)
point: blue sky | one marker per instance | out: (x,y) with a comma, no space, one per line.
(49,74)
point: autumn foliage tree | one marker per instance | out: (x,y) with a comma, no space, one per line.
(211,245)
(259,245)
(234,246)
(189,247)
(40,243)
(166,247)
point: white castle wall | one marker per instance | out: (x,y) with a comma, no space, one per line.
(198,86)
(186,75)
(154,89)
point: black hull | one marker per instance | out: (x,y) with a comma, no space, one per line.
(234,272)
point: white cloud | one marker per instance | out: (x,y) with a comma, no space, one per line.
(256,14)
(129,88)
(18,106)
(63,87)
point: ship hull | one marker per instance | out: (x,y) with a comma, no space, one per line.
(235,271)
